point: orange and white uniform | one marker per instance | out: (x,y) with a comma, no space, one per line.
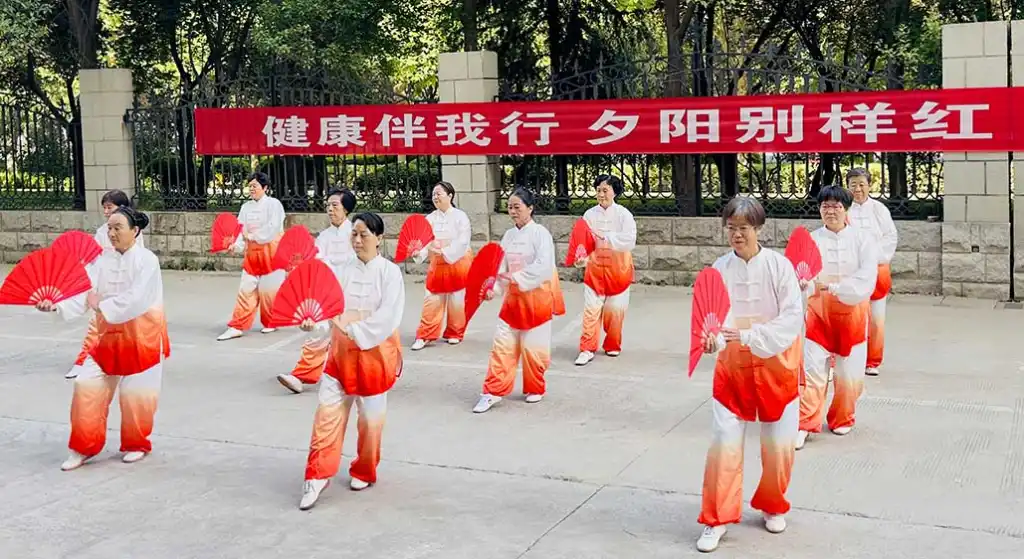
(874,217)
(131,346)
(837,326)
(756,379)
(262,227)
(334,247)
(446,277)
(532,298)
(364,362)
(607,277)
(92,333)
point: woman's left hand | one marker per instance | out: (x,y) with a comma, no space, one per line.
(92,300)
(731,334)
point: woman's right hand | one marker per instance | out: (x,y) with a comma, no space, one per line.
(489,294)
(710,344)
(307,325)
(44,306)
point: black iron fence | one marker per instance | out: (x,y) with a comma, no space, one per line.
(41,167)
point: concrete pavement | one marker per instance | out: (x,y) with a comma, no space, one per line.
(610,464)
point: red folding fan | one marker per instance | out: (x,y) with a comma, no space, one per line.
(80,244)
(297,245)
(45,275)
(581,242)
(226,228)
(311,291)
(416,233)
(803,252)
(483,273)
(710,307)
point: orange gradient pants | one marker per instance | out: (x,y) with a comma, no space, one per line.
(608,311)
(329,426)
(849,385)
(90,405)
(434,307)
(92,337)
(313,357)
(876,334)
(722,501)
(255,294)
(534,346)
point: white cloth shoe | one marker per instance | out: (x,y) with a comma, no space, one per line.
(710,537)
(75,460)
(454,341)
(230,334)
(268,330)
(842,430)
(357,484)
(775,523)
(871,371)
(612,353)
(485,402)
(418,345)
(291,383)
(73,372)
(801,439)
(133,456)
(584,358)
(311,490)
(534,398)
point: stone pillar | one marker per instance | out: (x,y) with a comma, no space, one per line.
(1017,65)
(471,77)
(105,95)
(976,201)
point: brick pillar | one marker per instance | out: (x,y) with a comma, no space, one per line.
(471,77)
(976,201)
(105,95)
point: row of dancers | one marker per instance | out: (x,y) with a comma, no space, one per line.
(773,352)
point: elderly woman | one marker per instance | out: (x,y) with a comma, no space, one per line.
(756,377)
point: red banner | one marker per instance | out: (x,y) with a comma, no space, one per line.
(980,119)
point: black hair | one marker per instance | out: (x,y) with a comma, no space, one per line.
(747,207)
(447,186)
(373,222)
(857,172)
(612,181)
(260,177)
(115,197)
(525,195)
(135,217)
(348,199)
(835,193)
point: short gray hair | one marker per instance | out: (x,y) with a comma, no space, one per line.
(858,172)
(746,207)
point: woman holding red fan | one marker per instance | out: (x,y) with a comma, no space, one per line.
(756,376)
(838,310)
(334,246)
(609,271)
(110,201)
(364,363)
(871,215)
(450,258)
(132,344)
(532,299)
(262,220)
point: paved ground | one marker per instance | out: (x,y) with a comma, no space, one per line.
(609,465)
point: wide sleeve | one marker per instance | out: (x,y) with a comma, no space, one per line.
(240,239)
(624,238)
(460,243)
(890,236)
(74,307)
(321,246)
(139,296)
(541,269)
(859,286)
(778,334)
(274,224)
(374,329)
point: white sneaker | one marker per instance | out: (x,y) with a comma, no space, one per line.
(801,439)
(73,372)
(485,403)
(534,398)
(831,374)
(584,358)
(454,341)
(74,460)
(311,490)
(357,484)
(775,523)
(612,353)
(133,456)
(842,430)
(418,345)
(710,537)
(230,334)
(268,330)
(871,371)
(291,383)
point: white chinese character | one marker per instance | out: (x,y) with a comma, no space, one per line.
(614,131)
(672,125)
(288,132)
(341,131)
(468,126)
(765,123)
(407,128)
(513,122)
(931,123)
(863,120)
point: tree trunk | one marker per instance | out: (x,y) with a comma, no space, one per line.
(684,167)
(470,30)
